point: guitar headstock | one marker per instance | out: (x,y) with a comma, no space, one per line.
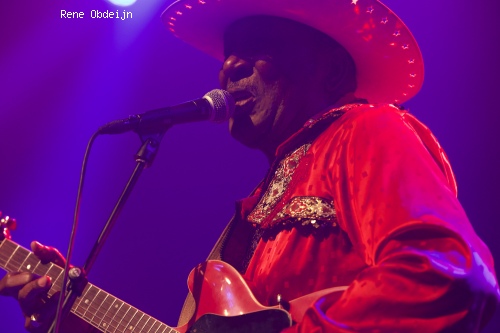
(6,225)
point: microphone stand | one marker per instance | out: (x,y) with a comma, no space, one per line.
(78,277)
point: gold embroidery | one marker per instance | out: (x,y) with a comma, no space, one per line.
(278,185)
(309,210)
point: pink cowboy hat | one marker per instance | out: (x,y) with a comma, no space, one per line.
(389,63)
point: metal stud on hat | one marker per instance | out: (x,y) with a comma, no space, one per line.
(388,60)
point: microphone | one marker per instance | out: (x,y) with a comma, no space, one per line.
(217,106)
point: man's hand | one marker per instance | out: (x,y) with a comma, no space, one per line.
(31,290)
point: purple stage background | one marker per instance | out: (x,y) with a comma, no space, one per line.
(62,79)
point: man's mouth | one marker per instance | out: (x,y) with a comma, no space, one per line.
(242,97)
(244,101)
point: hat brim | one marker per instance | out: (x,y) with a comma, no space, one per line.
(389,63)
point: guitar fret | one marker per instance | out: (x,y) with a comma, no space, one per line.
(131,316)
(122,312)
(30,263)
(146,324)
(111,313)
(56,283)
(160,327)
(96,305)
(154,328)
(164,328)
(41,269)
(114,322)
(88,314)
(25,259)
(36,266)
(8,265)
(135,320)
(3,253)
(81,303)
(141,324)
(54,272)
(112,306)
(21,254)
(104,309)
(17,258)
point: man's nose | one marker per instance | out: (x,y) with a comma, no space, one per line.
(234,68)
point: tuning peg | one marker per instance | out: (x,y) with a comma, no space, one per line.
(9,223)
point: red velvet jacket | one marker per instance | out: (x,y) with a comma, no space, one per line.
(369,203)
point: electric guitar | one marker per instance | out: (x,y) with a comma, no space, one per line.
(224,302)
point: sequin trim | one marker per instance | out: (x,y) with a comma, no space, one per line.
(309,210)
(278,185)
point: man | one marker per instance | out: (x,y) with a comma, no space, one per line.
(359,196)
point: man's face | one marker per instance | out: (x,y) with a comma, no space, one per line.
(270,68)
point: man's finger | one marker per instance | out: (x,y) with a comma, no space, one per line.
(13,282)
(42,319)
(47,254)
(32,294)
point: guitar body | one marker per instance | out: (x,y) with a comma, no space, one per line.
(226,304)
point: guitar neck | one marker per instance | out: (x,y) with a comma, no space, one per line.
(97,307)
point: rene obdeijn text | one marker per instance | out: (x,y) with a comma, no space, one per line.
(97,14)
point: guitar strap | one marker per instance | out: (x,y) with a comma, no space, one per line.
(233,247)
(189,303)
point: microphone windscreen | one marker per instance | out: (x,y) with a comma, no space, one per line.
(222,105)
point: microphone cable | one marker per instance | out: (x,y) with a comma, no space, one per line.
(57,320)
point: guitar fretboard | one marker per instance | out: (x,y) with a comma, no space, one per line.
(97,307)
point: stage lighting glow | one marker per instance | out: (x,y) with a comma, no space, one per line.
(122,2)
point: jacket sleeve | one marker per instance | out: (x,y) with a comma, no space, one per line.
(395,197)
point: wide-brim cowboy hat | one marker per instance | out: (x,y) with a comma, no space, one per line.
(389,64)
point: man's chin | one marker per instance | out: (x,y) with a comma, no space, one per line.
(246,136)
